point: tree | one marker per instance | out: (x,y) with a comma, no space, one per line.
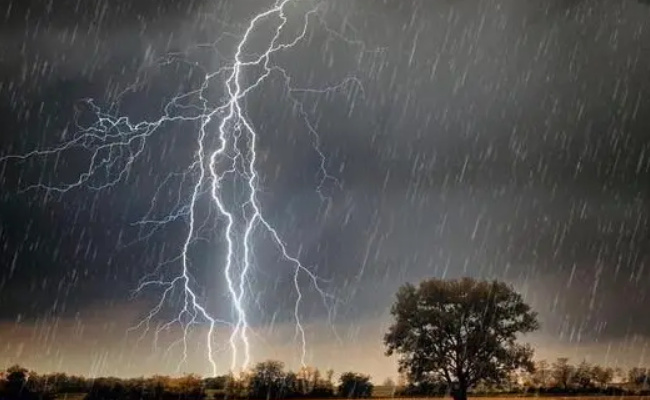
(21,384)
(602,376)
(541,377)
(15,383)
(215,383)
(156,387)
(236,387)
(329,375)
(16,377)
(562,373)
(267,380)
(462,332)
(353,385)
(639,376)
(307,379)
(189,386)
(109,389)
(583,376)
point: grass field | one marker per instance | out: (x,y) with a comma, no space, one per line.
(71,396)
(380,396)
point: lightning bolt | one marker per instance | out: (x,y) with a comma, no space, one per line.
(115,142)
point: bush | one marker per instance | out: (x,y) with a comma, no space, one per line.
(355,385)
(16,386)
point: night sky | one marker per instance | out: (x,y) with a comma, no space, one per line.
(503,139)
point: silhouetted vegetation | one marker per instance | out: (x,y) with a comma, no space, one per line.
(454,338)
(188,387)
(215,383)
(561,378)
(354,386)
(460,332)
(268,380)
(17,384)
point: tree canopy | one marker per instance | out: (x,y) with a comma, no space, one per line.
(354,385)
(461,332)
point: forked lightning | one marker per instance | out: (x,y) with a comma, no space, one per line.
(115,143)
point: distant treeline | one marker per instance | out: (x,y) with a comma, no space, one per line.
(269,380)
(560,378)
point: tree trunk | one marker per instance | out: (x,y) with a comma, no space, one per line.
(459,393)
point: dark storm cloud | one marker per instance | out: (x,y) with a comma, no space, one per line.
(497,138)
(526,147)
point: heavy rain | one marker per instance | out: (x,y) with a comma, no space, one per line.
(198,187)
